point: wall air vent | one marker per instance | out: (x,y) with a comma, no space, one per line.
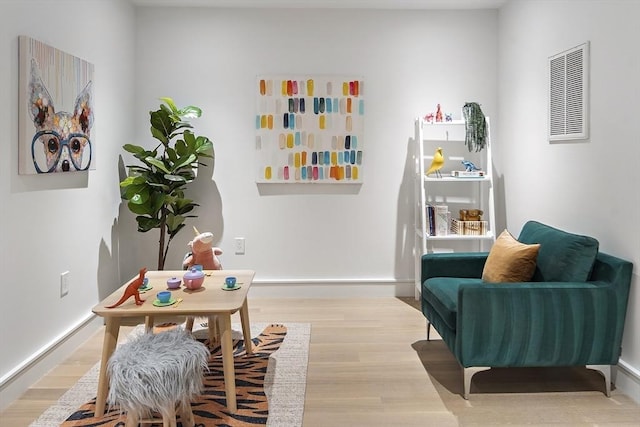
(569,94)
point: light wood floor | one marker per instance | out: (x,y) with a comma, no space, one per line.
(370,365)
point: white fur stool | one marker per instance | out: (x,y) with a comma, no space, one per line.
(157,373)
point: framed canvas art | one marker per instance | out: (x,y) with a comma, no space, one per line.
(309,129)
(56,110)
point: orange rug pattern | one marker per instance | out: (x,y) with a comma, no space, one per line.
(209,409)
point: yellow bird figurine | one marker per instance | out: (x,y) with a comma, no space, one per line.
(436,163)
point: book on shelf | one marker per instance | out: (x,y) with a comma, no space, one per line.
(431,220)
(467,174)
(442,220)
(437,220)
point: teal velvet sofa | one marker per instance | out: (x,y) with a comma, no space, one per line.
(571,313)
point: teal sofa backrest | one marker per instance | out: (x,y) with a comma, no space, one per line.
(563,257)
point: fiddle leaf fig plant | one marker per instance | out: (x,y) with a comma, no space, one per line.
(154,188)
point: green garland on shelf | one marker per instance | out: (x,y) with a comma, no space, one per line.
(475,125)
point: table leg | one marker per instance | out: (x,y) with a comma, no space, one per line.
(188,324)
(226,344)
(148,323)
(246,327)
(214,334)
(111,331)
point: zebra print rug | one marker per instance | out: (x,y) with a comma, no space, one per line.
(270,385)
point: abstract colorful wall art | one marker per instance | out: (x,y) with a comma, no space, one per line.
(56,110)
(309,129)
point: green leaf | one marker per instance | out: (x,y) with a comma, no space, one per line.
(175,178)
(140,198)
(140,209)
(190,112)
(135,149)
(204,146)
(145,223)
(186,161)
(157,163)
(132,180)
(171,154)
(161,120)
(190,140)
(181,148)
(176,231)
(158,202)
(159,135)
(174,221)
(185,209)
(160,186)
(170,103)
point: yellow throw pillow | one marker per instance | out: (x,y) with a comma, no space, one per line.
(510,260)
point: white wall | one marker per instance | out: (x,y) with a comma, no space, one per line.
(50,224)
(588,187)
(409,60)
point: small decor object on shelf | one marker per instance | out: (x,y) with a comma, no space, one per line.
(436,163)
(475,125)
(429,118)
(469,228)
(438,114)
(469,166)
(132,290)
(471,214)
(467,174)
(448,117)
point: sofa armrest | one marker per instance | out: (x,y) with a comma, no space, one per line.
(538,324)
(457,264)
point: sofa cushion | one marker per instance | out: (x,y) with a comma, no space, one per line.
(442,294)
(563,257)
(510,260)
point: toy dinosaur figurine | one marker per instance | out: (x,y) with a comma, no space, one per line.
(469,166)
(132,290)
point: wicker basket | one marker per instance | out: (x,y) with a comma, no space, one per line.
(469,228)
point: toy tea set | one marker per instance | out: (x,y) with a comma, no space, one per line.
(202,257)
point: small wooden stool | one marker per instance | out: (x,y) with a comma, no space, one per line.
(157,373)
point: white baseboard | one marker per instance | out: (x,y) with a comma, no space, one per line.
(339,288)
(627,380)
(16,382)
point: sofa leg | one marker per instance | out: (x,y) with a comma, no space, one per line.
(468,374)
(428,329)
(605,371)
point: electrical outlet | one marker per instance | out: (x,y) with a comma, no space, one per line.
(64,284)
(239,245)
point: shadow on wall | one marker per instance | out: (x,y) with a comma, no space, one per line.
(108,275)
(136,250)
(500,203)
(204,191)
(405,230)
